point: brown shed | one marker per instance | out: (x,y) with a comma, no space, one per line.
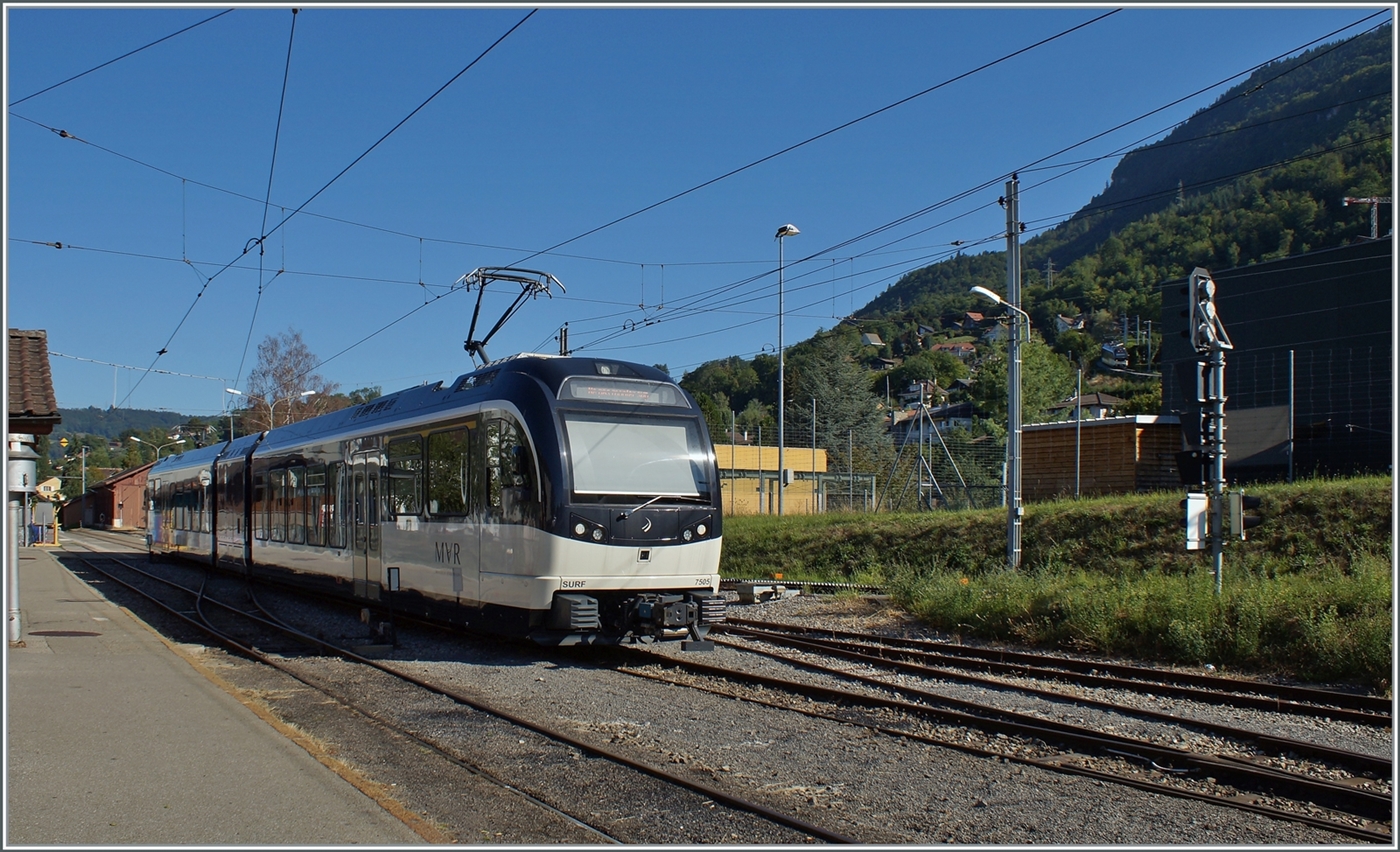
(117,502)
(1116,455)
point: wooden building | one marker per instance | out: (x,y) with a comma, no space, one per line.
(1116,455)
(749,479)
(117,502)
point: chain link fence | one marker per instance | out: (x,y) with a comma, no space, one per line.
(902,473)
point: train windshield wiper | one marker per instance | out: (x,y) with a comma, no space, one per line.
(622,516)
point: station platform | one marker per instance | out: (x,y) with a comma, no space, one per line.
(116,738)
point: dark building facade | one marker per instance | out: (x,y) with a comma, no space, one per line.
(1313,346)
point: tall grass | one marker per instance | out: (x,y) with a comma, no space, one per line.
(1308,596)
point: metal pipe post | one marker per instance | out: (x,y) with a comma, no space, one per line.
(1217,474)
(1078,422)
(781,377)
(12,574)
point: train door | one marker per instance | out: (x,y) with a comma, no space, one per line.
(365,514)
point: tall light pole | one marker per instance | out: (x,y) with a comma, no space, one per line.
(230,411)
(787,230)
(271,410)
(1013,430)
(159,448)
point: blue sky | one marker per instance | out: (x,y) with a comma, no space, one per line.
(579,117)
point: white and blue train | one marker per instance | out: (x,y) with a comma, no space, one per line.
(568,500)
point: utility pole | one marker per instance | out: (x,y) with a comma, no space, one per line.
(1013,374)
(1375,202)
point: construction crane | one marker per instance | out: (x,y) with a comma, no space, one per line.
(1375,202)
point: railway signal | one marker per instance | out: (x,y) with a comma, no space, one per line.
(1240,523)
(1203,459)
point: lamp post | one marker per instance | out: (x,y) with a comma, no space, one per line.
(271,410)
(230,411)
(1013,429)
(787,230)
(161,447)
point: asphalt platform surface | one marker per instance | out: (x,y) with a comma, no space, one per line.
(114,737)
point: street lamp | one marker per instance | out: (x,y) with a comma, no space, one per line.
(1013,428)
(271,411)
(788,230)
(159,448)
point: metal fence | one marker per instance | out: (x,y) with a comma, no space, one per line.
(904,473)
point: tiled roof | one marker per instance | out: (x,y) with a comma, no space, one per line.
(33,408)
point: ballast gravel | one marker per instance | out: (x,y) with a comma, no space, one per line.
(874,788)
(489,782)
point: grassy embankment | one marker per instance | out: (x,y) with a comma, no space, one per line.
(1308,596)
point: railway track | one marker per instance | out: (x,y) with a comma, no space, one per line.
(1342,791)
(196,608)
(1323,703)
(1039,743)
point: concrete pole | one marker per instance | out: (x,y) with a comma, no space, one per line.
(1013,377)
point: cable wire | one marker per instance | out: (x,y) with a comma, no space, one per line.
(328,184)
(267,201)
(119,58)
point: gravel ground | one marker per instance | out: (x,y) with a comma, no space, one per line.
(875,788)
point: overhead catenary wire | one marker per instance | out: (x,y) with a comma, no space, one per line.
(823,134)
(328,184)
(119,58)
(713,293)
(267,201)
(748,280)
(623,261)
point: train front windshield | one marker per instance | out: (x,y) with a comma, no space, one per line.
(636,456)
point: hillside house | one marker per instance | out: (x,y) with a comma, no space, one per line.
(1092,406)
(961,349)
(996,333)
(1064,323)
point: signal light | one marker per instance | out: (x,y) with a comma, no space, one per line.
(1239,521)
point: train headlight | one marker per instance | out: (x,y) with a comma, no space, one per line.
(586,529)
(697,530)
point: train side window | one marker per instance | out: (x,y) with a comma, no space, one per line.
(316,505)
(334,509)
(449,472)
(510,472)
(260,500)
(277,484)
(405,475)
(296,505)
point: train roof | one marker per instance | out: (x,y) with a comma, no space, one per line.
(548,370)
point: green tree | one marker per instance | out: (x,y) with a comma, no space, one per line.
(943,367)
(1047,378)
(848,414)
